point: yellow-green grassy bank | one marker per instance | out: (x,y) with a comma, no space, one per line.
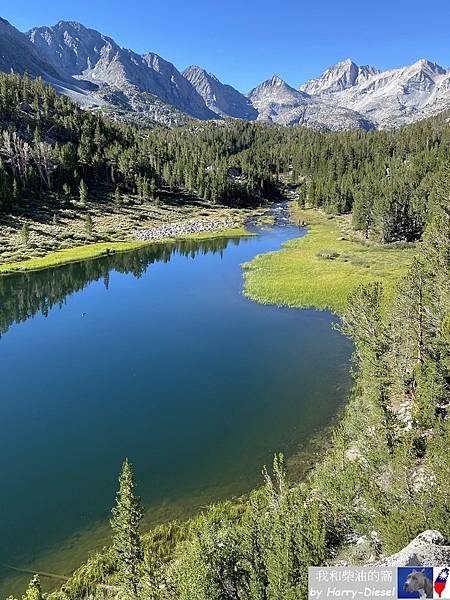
(97,250)
(320,269)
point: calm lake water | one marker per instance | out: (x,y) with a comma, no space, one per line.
(153,355)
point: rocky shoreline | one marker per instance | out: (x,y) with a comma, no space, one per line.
(182,228)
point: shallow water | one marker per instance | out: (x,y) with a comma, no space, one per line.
(155,355)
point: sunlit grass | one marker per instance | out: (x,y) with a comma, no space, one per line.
(97,250)
(320,269)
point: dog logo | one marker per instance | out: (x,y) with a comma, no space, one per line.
(415,582)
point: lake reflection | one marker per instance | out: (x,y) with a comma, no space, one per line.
(155,355)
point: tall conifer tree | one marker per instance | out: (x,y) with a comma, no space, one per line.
(127,545)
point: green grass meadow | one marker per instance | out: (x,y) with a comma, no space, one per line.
(320,269)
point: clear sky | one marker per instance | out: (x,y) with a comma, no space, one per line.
(244,42)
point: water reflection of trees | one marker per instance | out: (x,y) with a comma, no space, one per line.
(24,295)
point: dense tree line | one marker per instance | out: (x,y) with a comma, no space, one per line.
(49,144)
(385,178)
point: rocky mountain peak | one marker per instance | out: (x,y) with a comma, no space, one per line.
(275,85)
(424,64)
(18,55)
(387,98)
(89,55)
(95,71)
(275,81)
(340,76)
(222,99)
(195,70)
(75,25)
(71,46)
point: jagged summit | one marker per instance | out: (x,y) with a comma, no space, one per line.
(89,55)
(389,98)
(275,80)
(278,102)
(95,71)
(340,76)
(275,85)
(424,63)
(196,70)
(222,99)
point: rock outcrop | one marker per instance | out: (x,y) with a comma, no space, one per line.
(427,549)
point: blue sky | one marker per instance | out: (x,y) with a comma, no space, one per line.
(244,42)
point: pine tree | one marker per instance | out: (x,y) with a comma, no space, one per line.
(25,233)
(127,544)
(117,198)
(83,191)
(88,223)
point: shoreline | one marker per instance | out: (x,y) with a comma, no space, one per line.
(305,459)
(90,540)
(320,269)
(102,249)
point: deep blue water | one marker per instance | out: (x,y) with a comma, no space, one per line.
(155,355)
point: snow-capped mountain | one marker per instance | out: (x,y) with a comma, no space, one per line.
(278,102)
(95,71)
(387,98)
(340,76)
(86,54)
(222,99)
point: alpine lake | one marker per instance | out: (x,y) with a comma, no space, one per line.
(155,355)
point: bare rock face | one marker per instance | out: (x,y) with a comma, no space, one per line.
(339,77)
(428,549)
(222,99)
(278,102)
(95,71)
(86,54)
(20,56)
(387,98)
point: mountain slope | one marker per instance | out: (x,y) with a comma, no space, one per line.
(278,102)
(222,99)
(388,98)
(340,76)
(96,72)
(17,54)
(86,54)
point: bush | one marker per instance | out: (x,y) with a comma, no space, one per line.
(327,254)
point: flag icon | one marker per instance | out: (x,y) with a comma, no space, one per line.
(440,583)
